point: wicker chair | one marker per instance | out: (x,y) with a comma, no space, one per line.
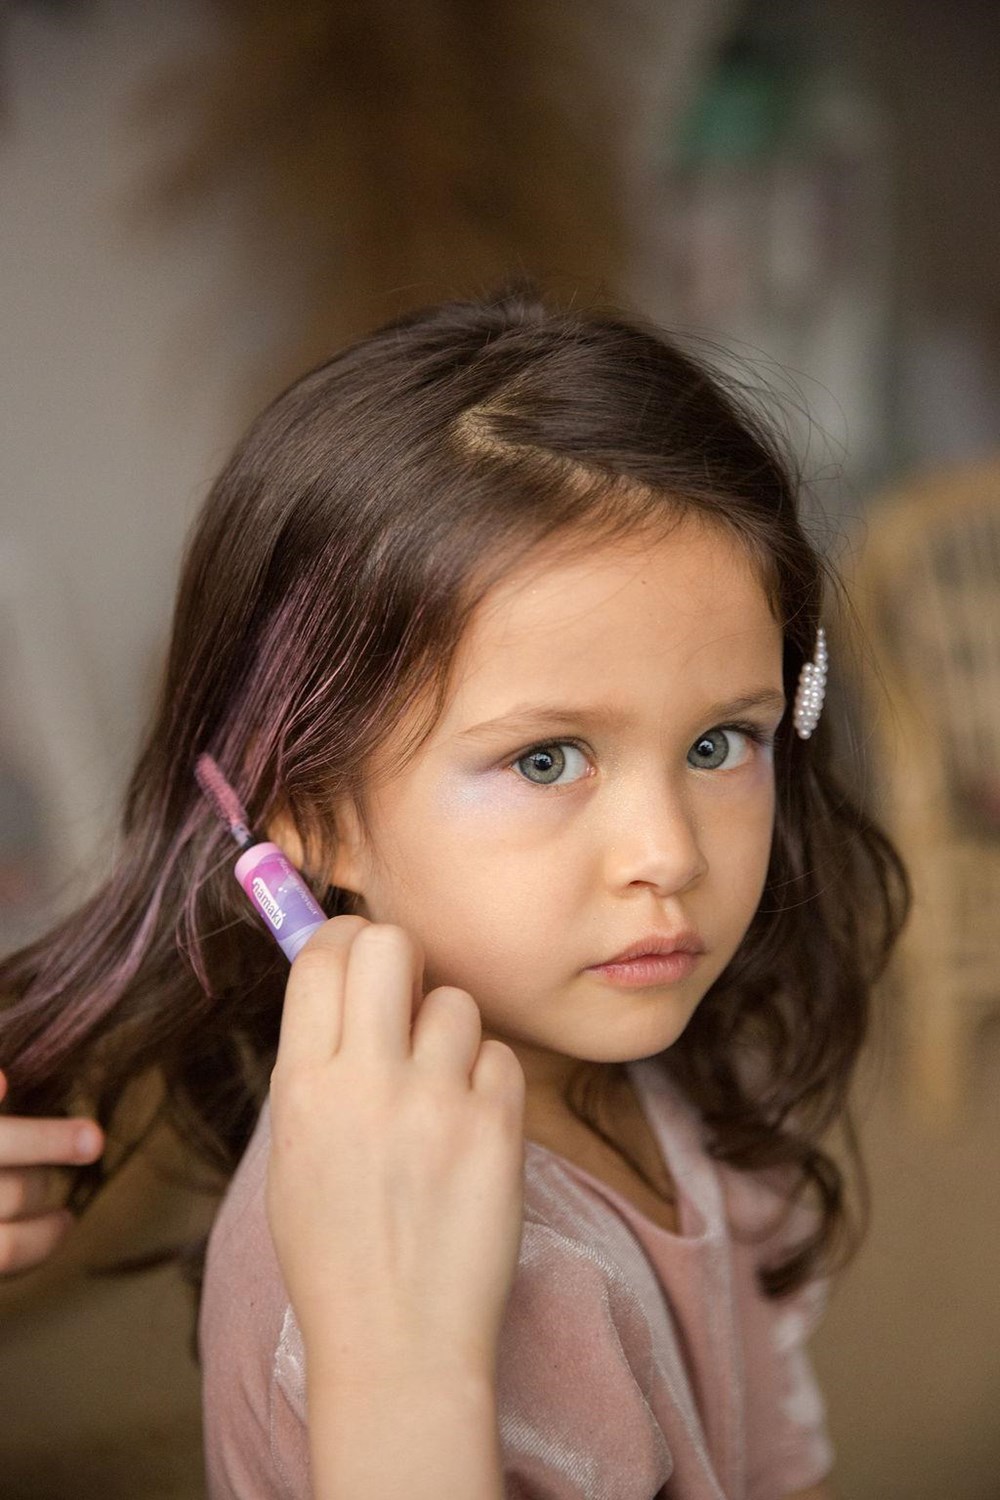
(926,586)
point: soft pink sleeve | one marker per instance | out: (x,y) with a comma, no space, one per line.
(575,1369)
(788,1446)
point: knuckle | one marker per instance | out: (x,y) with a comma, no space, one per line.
(334,936)
(391,936)
(506,1063)
(291,1084)
(383,932)
(456,1002)
(432,1114)
(345,927)
(311,960)
(453,991)
(347,921)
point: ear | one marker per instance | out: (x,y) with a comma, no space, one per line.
(346,870)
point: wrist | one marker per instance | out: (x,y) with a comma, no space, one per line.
(372,1362)
(428,1426)
(369,1369)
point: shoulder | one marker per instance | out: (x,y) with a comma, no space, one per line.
(763,1215)
(760,1205)
(579,1359)
(571,1239)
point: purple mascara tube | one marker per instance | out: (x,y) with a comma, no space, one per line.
(290,911)
(281,896)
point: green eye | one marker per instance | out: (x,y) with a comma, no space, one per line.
(546,762)
(716,752)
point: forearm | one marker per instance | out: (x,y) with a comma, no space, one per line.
(410,1434)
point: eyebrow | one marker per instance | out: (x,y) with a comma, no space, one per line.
(534,716)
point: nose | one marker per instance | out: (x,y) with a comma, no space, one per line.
(653,839)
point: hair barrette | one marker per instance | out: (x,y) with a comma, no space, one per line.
(811,689)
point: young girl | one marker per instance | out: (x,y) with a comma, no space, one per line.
(503,625)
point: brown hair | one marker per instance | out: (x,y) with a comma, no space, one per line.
(326,586)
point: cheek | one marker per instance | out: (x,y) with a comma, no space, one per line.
(490,817)
(452,805)
(759,861)
(451,852)
(481,882)
(501,864)
(476,797)
(741,833)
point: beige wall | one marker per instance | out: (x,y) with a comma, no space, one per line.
(120,352)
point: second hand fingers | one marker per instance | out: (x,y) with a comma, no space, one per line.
(30,1191)
(26,1242)
(29,1142)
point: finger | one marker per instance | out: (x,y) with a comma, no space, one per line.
(26,1142)
(30,1191)
(498,1071)
(3,1085)
(448,1031)
(311,1015)
(29,1241)
(384,972)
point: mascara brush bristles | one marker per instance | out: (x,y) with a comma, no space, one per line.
(224,800)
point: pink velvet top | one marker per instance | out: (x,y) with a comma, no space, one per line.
(633,1362)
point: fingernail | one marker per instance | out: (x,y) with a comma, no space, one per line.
(88,1141)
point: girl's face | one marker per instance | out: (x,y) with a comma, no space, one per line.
(581,792)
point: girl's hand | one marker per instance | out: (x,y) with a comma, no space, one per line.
(394,1189)
(31,1221)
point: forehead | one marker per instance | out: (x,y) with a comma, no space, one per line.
(609,622)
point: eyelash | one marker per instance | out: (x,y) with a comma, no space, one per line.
(761,737)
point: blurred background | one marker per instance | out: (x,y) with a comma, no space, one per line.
(199,200)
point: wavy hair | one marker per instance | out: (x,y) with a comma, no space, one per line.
(325,588)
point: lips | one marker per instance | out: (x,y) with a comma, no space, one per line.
(685,940)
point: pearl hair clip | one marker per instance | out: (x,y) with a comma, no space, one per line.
(812,689)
